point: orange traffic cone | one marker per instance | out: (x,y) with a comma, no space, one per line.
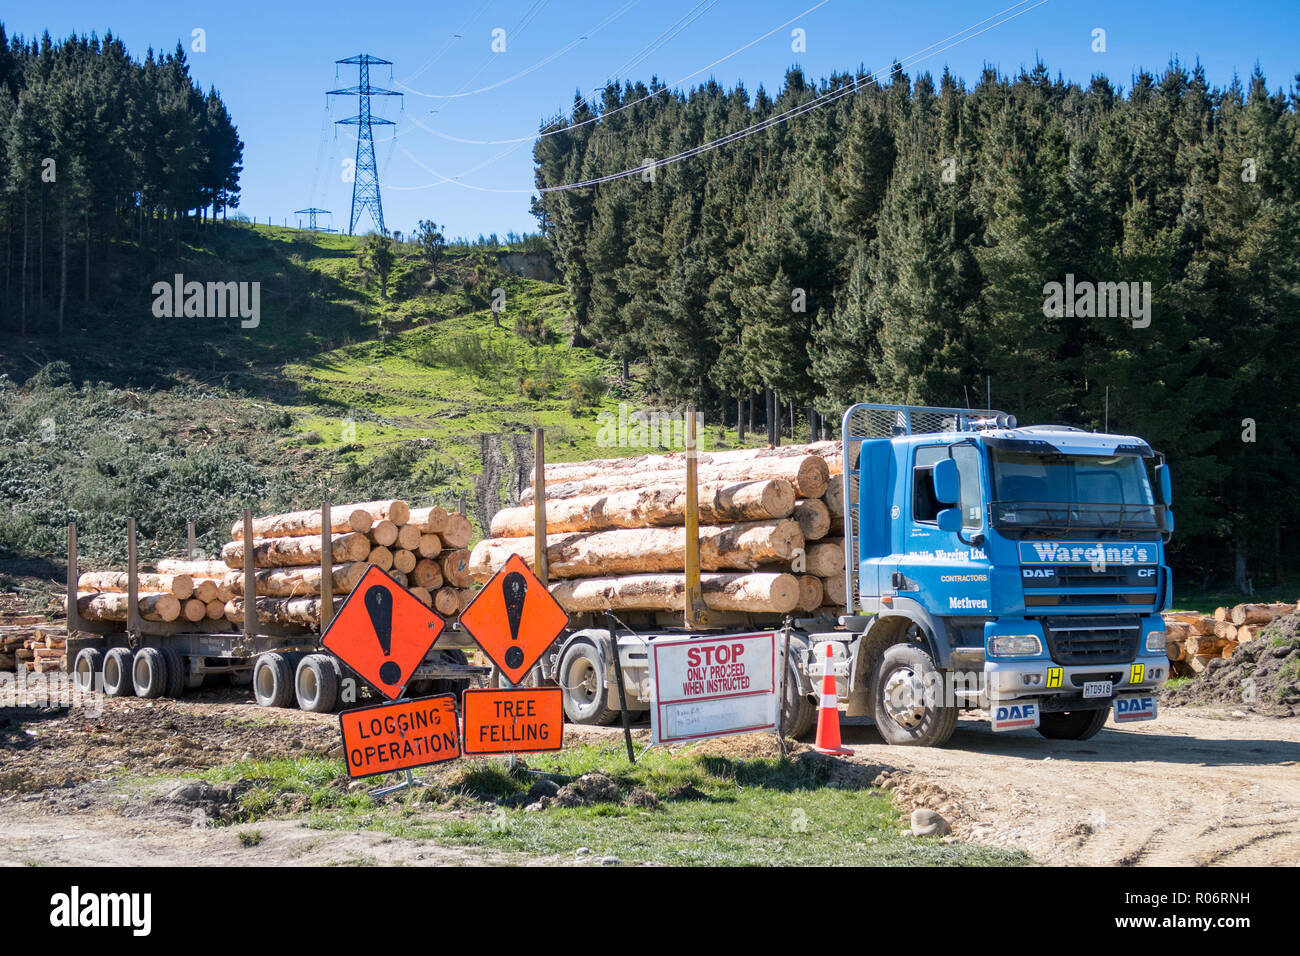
(828,715)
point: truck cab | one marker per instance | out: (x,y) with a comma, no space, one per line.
(1016,569)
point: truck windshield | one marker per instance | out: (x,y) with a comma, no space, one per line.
(1037,491)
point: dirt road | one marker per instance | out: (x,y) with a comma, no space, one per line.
(1198,786)
(1195,787)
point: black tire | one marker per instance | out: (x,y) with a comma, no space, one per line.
(797,710)
(149,673)
(1073,724)
(904,699)
(272,680)
(176,672)
(449,685)
(582,678)
(117,672)
(87,668)
(316,683)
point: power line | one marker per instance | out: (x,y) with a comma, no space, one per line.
(771,121)
(365,182)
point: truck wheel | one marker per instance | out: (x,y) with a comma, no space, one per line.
(586,698)
(149,673)
(117,672)
(1073,724)
(86,667)
(176,672)
(272,681)
(797,710)
(902,699)
(449,685)
(316,683)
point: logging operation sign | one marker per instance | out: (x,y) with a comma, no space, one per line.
(514,619)
(711,687)
(526,720)
(399,736)
(382,632)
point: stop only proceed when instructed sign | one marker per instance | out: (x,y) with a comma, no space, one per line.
(712,686)
(382,632)
(513,721)
(514,619)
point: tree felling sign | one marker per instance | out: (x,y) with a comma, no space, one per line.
(513,721)
(382,632)
(401,735)
(514,619)
(712,687)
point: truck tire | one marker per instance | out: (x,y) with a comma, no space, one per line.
(149,673)
(86,666)
(316,683)
(272,680)
(586,698)
(450,685)
(1073,724)
(797,710)
(901,699)
(117,672)
(176,672)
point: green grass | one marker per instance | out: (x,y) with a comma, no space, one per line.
(752,812)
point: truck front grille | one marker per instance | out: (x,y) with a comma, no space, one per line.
(1082,641)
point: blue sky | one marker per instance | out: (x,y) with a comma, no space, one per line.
(274,61)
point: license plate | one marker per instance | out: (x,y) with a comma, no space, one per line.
(1098,688)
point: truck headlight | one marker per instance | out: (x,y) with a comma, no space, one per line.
(1015,645)
(1156,642)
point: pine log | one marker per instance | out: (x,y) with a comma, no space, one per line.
(429,520)
(810,592)
(297,582)
(456,570)
(1221,613)
(834,498)
(814,518)
(1258,613)
(195,569)
(205,589)
(834,591)
(399,577)
(297,524)
(807,474)
(720,502)
(446,601)
(193,610)
(179,586)
(112,606)
(381,558)
(408,537)
(422,595)
(755,593)
(825,558)
(1183,617)
(1225,631)
(466,595)
(273,610)
(394,510)
(404,561)
(430,546)
(1175,651)
(457,531)
(1204,625)
(562,472)
(1200,646)
(1176,631)
(1200,662)
(644,550)
(216,610)
(1246,633)
(427,574)
(1228,650)
(294,552)
(384,533)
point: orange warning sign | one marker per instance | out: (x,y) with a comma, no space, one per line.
(382,632)
(524,721)
(514,619)
(409,733)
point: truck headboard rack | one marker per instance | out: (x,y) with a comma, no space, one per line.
(870,421)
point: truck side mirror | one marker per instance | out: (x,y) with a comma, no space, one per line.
(1166,485)
(947,483)
(949,519)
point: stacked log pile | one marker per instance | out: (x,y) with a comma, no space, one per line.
(423,549)
(29,641)
(616,537)
(1193,640)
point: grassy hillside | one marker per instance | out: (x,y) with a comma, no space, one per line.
(426,394)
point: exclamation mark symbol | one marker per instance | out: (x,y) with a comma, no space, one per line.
(379,605)
(515,587)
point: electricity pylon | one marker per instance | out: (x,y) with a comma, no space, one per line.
(365,182)
(311,212)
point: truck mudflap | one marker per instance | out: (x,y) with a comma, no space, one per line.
(1130,708)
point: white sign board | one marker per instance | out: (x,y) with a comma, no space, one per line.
(712,686)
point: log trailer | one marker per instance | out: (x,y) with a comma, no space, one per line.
(1016,570)
(284,664)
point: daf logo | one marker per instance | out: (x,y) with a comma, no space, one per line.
(1038,573)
